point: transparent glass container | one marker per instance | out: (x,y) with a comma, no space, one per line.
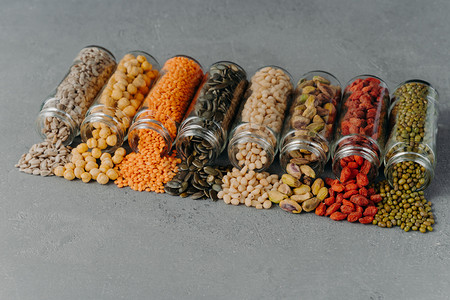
(204,131)
(309,125)
(62,112)
(413,122)
(362,124)
(166,104)
(255,134)
(109,118)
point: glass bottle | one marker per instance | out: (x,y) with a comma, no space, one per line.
(362,126)
(204,131)
(63,110)
(413,122)
(107,121)
(309,125)
(166,104)
(254,138)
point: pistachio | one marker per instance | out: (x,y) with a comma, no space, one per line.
(317,185)
(302,197)
(330,107)
(322,99)
(302,99)
(309,112)
(315,127)
(295,153)
(285,189)
(308,171)
(293,170)
(311,101)
(324,88)
(318,119)
(320,79)
(299,122)
(304,83)
(310,204)
(299,161)
(308,90)
(276,196)
(322,194)
(323,112)
(302,189)
(290,180)
(290,206)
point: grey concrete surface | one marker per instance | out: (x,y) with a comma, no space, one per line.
(69,240)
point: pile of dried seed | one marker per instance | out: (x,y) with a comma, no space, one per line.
(197,181)
(249,188)
(43,158)
(75,93)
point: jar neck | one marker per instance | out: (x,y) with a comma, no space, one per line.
(359,145)
(265,139)
(61,116)
(109,121)
(314,144)
(214,135)
(149,124)
(400,156)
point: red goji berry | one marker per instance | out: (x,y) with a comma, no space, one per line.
(362,180)
(354,216)
(351,187)
(359,209)
(342,163)
(338,216)
(337,187)
(358,159)
(363,191)
(339,198)
(371,192)
(334,207)
(350,193)
(320,210)
(354,173)
(349,203)
(359,200)
(329,181)
(330,200)
(352,165)
(371,203)
(365,169)
(370,211)
(376,198)
(345,174)
(366,220)
(347,209)
(348,159)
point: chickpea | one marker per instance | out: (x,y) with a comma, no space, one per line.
(94,173)
(101,144)
(82,148)
(141,58)
(122,103)
(117,159)
(105,155)
(86,177)
(146,66)
(112,174)
(95,133)
(102,178)
(97,125)
(91,143)
(105,132)
(108,162)
(78,171)
(86,154)
(104,168)
(89,158)
(69,175)
(130,111)
(116,94)
(69,166)
(80,163)
(120,151)
(111,140)
(59,171)
(90,165)
(96,153)
(76,157)
(132,89)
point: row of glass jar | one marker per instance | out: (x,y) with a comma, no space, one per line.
(306,136)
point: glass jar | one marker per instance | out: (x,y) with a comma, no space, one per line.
(254,138)
(309,125)
(413,122)
(63,110)
(166,104)
(107,121)
(361,131)
(204,131)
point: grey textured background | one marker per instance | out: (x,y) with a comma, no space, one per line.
(69,240)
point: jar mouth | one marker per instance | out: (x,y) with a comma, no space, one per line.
(215,136)
(191,58)
(291,79)
(323,73)
(412,157)
(366,76)
(433,96)
(228,62)
(247,137)
(314,145)
(360,145)
(111,122)
(150,58)
(53,112)
(102,48)
(149,124)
